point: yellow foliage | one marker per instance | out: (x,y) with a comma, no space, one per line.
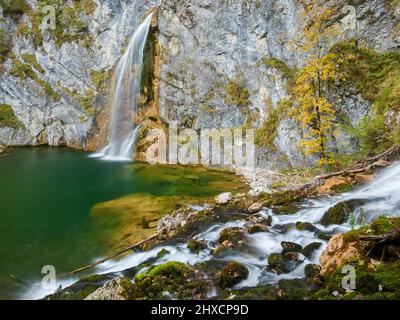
(312,110)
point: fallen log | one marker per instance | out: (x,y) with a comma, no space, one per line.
(368,164)
(114,255)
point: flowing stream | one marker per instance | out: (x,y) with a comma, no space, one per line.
(382,196)
(126,97)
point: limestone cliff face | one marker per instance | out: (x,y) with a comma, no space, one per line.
(204,45)
(76,71)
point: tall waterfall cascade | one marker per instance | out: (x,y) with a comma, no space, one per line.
(123,134)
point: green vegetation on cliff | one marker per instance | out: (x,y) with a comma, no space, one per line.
(8,118)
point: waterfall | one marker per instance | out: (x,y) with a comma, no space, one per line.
(126,96)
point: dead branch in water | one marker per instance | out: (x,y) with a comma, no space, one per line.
(118,253)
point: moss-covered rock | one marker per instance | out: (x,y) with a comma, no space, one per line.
(176,278)
(296,289)
(196,246)
(280,264)
(290,247)
(340,213)
(312,270)
(256,228)
(306,226)
(233,235)
(232,274)
(120,288)
(309,249)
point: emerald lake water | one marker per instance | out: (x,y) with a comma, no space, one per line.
(45,199)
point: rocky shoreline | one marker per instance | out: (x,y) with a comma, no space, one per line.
(376,263)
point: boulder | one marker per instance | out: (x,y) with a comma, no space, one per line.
(232,274)
(195,246)
(312,270)
(233,235)
(223,198)
(256,228)
(290,247)
(255,208)
(306,226)
(309,249)
(340,213)
(280,264)
(116,289)
(337,253)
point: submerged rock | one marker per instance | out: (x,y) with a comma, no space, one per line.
(232,274)
(117,289)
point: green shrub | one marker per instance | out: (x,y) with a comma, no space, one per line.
(372,134)
(8,118)
(14,8)
(5,47)
(375,75)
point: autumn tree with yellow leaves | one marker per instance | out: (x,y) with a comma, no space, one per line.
(312,110)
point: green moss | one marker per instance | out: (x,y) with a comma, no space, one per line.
(14,8)
(69,27)
(100,79)
(8,118)
(31,59)
(365,68)
(233,235)
(24,71)
(388,275)
(266,135)
(232,274)
(384,225)
(236,93)
(281,66)
(174,277)
(86,100)
(5,45)
(267,292)
(208,109)
(196,246)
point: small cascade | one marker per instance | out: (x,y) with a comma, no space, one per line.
(382,196)
(126,96)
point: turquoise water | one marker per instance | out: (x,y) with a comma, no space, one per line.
(45,198)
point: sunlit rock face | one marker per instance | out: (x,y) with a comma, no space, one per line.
(204,45)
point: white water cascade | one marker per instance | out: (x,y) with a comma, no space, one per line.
(380,197)
(126,96)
